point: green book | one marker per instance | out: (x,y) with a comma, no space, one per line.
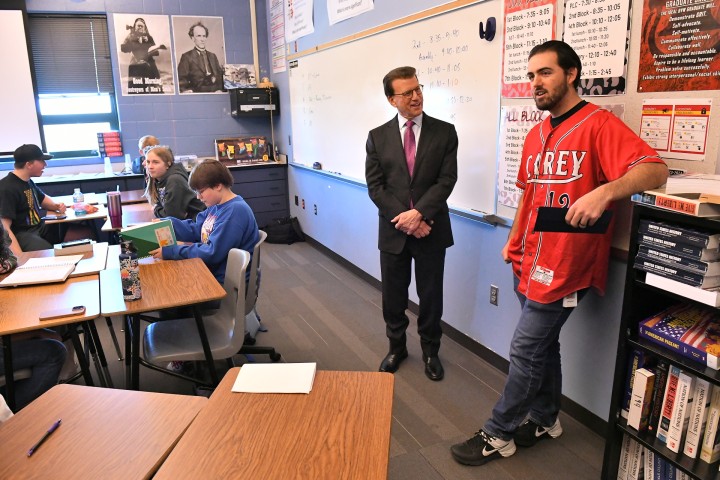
(149,236)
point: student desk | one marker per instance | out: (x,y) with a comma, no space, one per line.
(132,214)
(341,429)
(126,198)
(105,433)
(165,284)
(21,308)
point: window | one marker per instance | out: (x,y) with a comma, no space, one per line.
(76,96)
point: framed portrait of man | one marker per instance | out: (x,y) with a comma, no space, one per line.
(144,55)
(199,53)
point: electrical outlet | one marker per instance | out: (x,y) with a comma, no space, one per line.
(315,208)
(494,295)
(296,200)
(303,204)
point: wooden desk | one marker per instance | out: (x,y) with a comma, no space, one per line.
(105,433)
(340,430)
(21,308)
(126,198)
(165,284)
(71,217)
(132,214)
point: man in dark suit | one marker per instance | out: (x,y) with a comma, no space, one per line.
(411,169)
(198,69)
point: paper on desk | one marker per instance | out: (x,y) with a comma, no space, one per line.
(275,378)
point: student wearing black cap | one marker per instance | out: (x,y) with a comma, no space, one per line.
(21,201)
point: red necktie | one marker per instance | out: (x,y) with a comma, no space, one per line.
(409,146)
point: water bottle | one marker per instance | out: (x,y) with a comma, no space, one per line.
(78,196)
(130,271)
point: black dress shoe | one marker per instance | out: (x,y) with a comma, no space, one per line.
(433,368)
(392,361)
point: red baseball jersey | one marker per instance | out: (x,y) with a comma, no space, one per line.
(558,166)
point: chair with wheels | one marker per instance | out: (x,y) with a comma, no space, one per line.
(178,340)
(252,319)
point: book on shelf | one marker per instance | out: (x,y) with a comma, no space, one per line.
(698,415)
(709,296)
(688,203)
(635,464)
(149,236)
(681,412)
(649,463)
(687,330)
(710,448)
(661,373)
(668,403)
(640,401)
(685,235)
(679,260)
(687,250)
(693,183)
(624,461)
(42,270)
(636,360)
(696,279)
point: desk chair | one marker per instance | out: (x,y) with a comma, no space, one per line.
(252,320)
(170,340)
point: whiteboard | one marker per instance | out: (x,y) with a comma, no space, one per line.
(19,121)
(337,97)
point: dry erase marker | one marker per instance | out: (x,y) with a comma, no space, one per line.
(44,437)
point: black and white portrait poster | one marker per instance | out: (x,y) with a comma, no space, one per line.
(144,55)
(199,53)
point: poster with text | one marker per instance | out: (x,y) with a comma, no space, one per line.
(679,46)
(339,10)
(144,57)
(526,24)
(277,36)
(199,53)
(298,19)
(599,31)
(515,123)
(676,128)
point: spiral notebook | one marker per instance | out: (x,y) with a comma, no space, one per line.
(42,270)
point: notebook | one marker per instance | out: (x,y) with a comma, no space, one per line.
(275,378)
(42,270)
(149,236)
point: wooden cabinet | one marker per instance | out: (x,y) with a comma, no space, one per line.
(264,188)
(641,301)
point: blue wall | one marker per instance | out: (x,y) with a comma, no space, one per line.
(188,123)
(346,223)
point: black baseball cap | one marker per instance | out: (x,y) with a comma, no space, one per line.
(29,152)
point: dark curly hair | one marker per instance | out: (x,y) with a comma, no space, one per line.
(7,258)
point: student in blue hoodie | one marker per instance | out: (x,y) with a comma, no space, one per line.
(227,223)
(167,189)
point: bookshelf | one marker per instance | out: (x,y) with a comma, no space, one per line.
(639,302)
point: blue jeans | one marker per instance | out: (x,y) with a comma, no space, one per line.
(45,357)
(534,383)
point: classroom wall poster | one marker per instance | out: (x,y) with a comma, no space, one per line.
(679,46)
(143,51)
(196,73)
(515,123)
(277,36)
(599,31)
(339,10)
(676,128)
(298,19)
(527,24)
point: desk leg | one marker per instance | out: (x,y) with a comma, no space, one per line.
(205,345)
(81,355)
(128,352)
(9,377)
(100,352)
(135,363)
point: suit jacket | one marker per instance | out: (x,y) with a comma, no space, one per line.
(390,186)
(192,75)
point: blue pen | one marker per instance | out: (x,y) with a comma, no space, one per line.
(44,437)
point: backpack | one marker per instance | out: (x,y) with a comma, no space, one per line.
(284,230)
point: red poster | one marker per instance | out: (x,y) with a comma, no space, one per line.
(679,46)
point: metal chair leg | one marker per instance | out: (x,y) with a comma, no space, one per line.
(108,320)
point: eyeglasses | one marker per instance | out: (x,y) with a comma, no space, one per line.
(200,191)
(409,93)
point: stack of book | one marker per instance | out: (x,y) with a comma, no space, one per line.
(681,410)
(696,204)
(109,144)
(704,183)
(679,254)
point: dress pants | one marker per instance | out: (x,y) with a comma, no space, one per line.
(396,270)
